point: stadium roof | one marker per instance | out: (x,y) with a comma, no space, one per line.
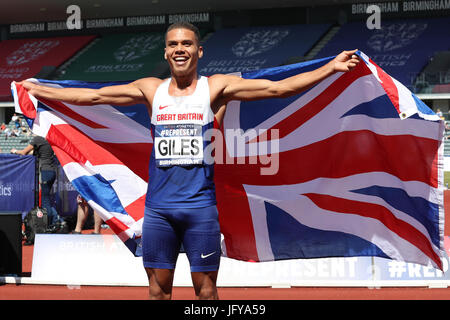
(25,11)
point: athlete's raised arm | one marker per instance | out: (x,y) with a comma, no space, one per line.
(236,88)
(122,95)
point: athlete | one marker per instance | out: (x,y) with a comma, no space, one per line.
(181,203)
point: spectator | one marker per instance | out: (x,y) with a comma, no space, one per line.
(47,168)
(3,127)
(15,132)
(8,133)
(82,215)
(16,120)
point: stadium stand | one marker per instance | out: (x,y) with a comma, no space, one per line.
(402,47)
(254,48)
(322,42)
(117,57)
(435,77)
(442,88)
(8,142)
(25,58)
(447,144)
(415,51)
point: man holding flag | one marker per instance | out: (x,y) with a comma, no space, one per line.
(180,205)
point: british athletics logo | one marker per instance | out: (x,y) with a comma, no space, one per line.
(360,167)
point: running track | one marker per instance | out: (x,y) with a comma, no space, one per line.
(59,292)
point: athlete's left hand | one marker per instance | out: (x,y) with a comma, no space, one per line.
(346,61)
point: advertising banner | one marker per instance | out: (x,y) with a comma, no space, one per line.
(17,181)
(99,259)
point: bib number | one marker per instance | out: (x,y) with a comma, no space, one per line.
(178,145)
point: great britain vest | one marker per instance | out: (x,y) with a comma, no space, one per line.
(179,176)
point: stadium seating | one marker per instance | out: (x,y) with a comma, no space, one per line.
(402,47)
(436,75)
(13,142)
(253,48)
(130,56)
(118,57)
(447,148)
(26,58)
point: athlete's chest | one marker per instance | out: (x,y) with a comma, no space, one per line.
(178,124)
(193,108)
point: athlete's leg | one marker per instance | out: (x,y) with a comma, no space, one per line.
(160,248)
(205,285)
(201,241)
(160,283)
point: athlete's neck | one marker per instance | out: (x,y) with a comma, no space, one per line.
(182,85)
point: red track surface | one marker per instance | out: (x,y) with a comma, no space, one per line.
(50,292)
(55,292)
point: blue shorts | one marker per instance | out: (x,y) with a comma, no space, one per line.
(164,230)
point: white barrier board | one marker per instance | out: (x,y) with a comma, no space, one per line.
(104,260)
(85,259)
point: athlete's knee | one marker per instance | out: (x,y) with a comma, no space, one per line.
(207,292)
(157,293)
(160,283)
(205,285)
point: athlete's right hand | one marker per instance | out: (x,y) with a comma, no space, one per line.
(32,88)
(26,84)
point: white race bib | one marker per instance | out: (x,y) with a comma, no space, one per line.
(178,145)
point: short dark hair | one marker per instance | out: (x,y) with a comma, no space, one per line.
(184,25)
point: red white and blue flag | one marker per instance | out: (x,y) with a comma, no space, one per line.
(104,152)
(351,167)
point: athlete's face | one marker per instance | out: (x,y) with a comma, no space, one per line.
(182,51)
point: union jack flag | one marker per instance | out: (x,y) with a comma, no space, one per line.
(104,152)
(351,167)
